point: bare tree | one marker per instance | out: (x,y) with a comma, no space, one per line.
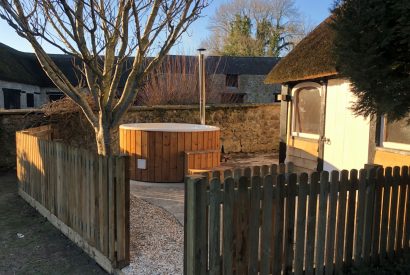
(101,36)
(275,26)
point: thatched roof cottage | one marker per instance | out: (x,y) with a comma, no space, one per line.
(319,131)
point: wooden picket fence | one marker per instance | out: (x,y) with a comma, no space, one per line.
(266,221)
(84,195)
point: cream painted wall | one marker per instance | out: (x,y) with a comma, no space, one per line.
(348,134)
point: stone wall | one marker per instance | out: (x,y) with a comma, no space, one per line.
(10,122)
(245,127)
(253,86)
(256,90)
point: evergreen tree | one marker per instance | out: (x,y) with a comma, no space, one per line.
(372,49)
(255,28)
(239,40)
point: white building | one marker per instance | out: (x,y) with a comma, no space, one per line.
(318,129)
(23,84)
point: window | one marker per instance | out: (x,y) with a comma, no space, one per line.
(54,96)
(11,98)
(396,134)
(231,80)
(30,100)
(228,98)
(306,112)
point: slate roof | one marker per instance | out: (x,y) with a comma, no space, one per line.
(311,58)
(240,65)
(16,66)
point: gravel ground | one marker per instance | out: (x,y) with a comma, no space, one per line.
(157,240)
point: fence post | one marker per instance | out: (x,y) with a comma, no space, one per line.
(393,212)
(377,215)
(228,225)
(194,200)
(368,215)
(321,224)
(214,226)
(406,230)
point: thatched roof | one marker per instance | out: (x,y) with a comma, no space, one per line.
(20,67)
(311,58)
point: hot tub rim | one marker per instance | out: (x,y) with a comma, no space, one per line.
(206,128)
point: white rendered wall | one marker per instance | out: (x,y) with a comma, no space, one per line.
(1,99)
(40,96)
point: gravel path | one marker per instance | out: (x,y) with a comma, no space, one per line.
(169,196)
(157,240)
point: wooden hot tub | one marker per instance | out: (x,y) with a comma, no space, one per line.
(158,150)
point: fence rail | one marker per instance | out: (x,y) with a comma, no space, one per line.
(256,220)
(83,194)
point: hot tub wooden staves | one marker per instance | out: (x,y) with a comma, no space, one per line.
(163,150)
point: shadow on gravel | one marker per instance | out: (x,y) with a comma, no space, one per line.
(29,244)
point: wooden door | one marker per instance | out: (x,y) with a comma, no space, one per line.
(346,137)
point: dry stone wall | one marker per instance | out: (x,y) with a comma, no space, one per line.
(244,127)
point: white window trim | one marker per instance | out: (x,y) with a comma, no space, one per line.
(294,90)
(388,144)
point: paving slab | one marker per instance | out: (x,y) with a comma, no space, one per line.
(169,196)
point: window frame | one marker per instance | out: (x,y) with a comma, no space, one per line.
(236,80)
(295,89)
(389,144)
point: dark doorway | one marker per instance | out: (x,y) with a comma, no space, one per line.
(11,98)
(54,96)
(231,81)
(30,100)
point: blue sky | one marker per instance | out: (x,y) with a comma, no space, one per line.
(314,10)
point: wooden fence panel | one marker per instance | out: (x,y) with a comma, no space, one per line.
(278,200)
(401,208)
(228,228)
(311,224)
(254,223)
(299,225)
(84,195)
(331,222)
(368,214)
(377,217)
(351,208)
(242,226)
(393,212)
(341,219)
(266,231)
(385,214)
(289,226)
(321,227)
(406,238)
(214,225)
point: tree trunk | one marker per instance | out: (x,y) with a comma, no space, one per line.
(103,136)
(103,139)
